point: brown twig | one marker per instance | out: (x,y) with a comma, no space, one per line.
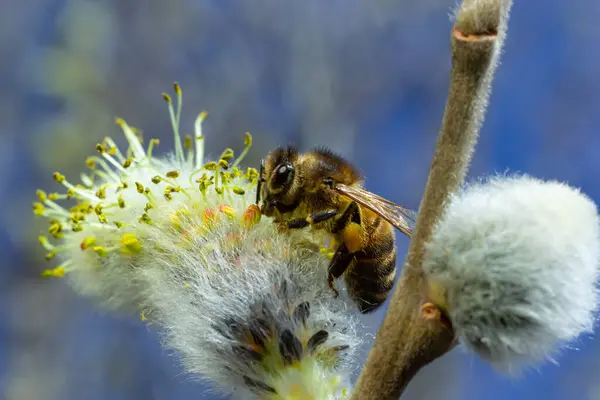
(415,332)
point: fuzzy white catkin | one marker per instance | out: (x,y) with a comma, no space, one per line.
(515,260)
(246,308)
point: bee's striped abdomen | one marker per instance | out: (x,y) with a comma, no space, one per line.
(371,277)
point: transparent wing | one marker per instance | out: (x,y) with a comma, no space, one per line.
(402,218)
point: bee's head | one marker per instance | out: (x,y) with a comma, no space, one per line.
(281,177)
(276,178)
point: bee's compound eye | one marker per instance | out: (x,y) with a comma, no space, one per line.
(283,176)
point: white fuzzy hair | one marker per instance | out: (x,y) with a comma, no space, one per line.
(515,260)
(246,308)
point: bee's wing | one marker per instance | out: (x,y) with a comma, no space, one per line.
(402,218)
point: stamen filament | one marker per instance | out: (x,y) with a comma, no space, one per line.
(111,143)
(86,180)
(134,143)
(82,193)
(105,167)
(153,142)
(199,139)
(58,209)
(175,127)
(116,164)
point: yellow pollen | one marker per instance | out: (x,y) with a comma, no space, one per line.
(228,154)
(41,195)
(211,166)
(57,272)
(101,192)
(251,216)
(247,139)
(227,210)
(130,244)
(38,208)
(139,187)
(58,177)
(156,179)
(101,251)
(77,228)
(55,229)
(87,242)
(45,243)
(145,218)
(223,164)
(173,174)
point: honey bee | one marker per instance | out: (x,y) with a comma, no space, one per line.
(323,190)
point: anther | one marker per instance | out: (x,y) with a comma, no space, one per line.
(130,244)
(139,187)
(101,251)
(58,177)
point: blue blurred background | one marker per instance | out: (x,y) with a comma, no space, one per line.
(368,79)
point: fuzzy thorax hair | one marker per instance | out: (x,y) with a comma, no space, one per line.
(178,240)
(514,262)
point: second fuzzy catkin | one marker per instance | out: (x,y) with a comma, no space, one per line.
(514,263)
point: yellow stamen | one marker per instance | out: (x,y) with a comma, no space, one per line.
(57,272)
(101,251)
(87,242)
(38,209)
(130,244)
(227,210)
(251,216)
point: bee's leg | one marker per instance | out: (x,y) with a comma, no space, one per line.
(349,224)
(351,214)
(339,264)
(311,219)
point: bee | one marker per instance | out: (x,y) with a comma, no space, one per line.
(323,190)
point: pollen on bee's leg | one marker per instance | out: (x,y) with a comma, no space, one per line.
(353,237)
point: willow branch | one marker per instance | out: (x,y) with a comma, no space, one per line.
(415,332)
